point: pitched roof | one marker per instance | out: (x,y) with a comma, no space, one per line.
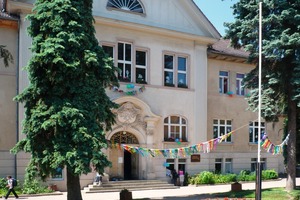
(223,47)
(223,51)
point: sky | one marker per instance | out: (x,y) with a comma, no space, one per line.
(217,11)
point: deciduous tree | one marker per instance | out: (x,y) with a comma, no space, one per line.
(67,109)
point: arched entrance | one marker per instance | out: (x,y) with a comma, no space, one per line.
(126,166)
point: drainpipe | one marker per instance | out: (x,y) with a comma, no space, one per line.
(17,92)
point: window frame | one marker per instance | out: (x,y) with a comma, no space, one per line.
(175,70)
(226,126)
(255,131)
(240,90)
(218,161)
(253,165)
(222,79)
(125,62)
(146,67)
(228,163)
(168,136)
(61,174)
(119,7)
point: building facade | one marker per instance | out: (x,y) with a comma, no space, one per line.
(179,86)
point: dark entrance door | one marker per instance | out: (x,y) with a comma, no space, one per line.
(127,165)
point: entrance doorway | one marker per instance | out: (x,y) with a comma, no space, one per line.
(125,165)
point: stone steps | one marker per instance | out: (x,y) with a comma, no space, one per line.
(131,185)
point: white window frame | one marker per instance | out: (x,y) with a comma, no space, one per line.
(132,6)
(178,134)
(217,125)
(253,131)
(222,80)
(228,165)
(145,67)
(122,77)
(240,90)
(175,83)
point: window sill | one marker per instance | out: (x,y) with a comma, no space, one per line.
(174,142)
(226,143)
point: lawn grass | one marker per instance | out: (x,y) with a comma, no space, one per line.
(266,194)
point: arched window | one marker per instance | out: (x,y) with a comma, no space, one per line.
(175,128)
(126,5)
(124,137)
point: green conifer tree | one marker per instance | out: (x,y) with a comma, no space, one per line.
(67,109)
(280,65)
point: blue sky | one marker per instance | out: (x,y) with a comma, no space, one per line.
(217,11)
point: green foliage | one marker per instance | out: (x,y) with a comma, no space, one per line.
(6,55)
(246,175)
(269,174)
(186,179)
(206,177)
(280,71)
(67,110)
(3,183)
(225,178)
(34,187)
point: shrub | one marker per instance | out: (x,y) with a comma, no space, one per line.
(34,187)
(269,174)
(225,178)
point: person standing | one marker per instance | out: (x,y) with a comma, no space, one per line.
(10,186)
(98,179)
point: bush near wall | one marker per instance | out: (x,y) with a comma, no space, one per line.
(207,177)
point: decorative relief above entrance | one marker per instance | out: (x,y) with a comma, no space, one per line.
(130,116)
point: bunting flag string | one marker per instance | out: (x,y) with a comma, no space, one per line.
(205,147)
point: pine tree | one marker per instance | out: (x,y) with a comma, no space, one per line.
(280,65)
(66,107)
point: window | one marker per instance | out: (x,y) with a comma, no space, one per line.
(126,5)
(178,164)
(57,174)
(175,128)
(125,61)
(141,66)
(223,82)
(222,127)
(263,162)
(175,71)
(239,87)
(218,165)
(109,50)
(228,165)
(253,131)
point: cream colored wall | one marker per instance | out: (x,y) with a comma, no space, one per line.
(222,106)
(8,123)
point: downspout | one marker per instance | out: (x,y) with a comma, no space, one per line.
(17,92)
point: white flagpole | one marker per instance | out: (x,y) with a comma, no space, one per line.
(258,170)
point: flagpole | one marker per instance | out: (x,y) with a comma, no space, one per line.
(258,168)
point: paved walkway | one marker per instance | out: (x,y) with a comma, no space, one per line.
(183,193)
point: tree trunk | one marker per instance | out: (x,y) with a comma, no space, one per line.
(291,146)
(73,186)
